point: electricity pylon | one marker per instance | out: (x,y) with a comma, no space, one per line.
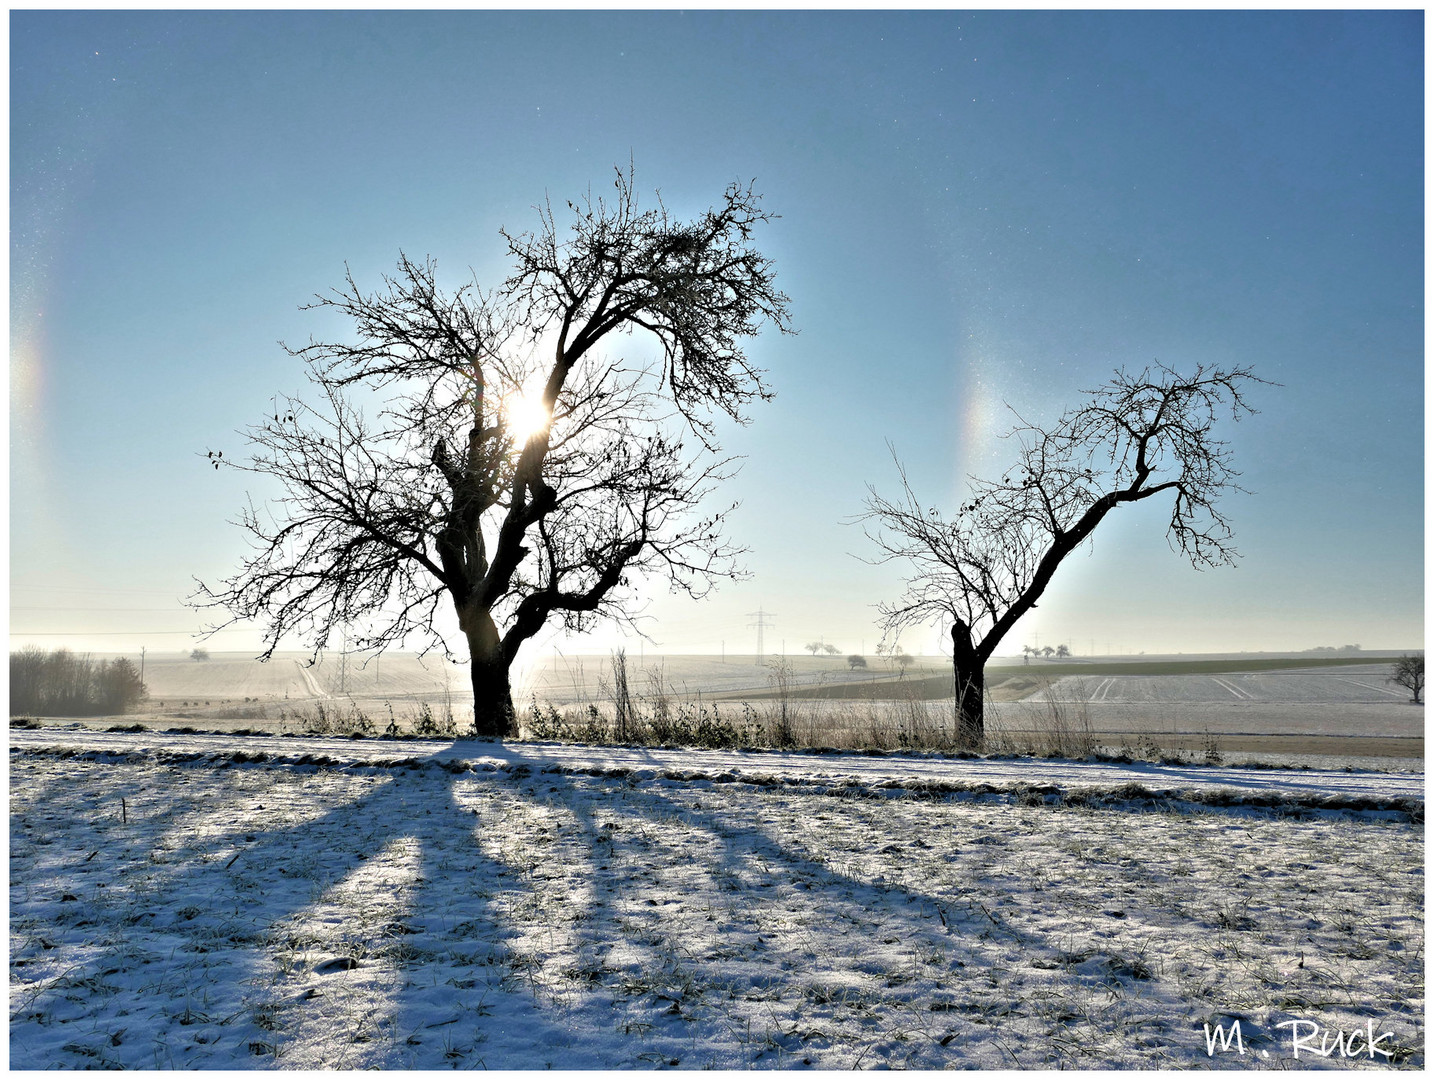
(762,622)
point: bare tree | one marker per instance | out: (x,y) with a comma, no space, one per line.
(830,649)
(1063,651)
(1137,437)
(813,647)
(514,469)
(1409,673)
(855,661)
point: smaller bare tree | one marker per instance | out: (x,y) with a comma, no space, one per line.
(813,647)
(831,650)
(1409,673)
(1139,436)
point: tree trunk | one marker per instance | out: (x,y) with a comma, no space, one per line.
(493,715)
(970,680)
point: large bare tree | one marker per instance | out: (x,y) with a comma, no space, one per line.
(1140,436)
(508,453)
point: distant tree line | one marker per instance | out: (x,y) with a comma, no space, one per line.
(60,683)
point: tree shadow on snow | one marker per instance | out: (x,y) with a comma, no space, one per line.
(414,851)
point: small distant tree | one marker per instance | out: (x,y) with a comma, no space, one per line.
(831,650)
(1063,650)
(813,647)
(903,660)
(1140,436)
(1047,651)
(854,661)
(199,654)
(1408,672)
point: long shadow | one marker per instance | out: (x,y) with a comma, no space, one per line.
(286,868)
(759,865)
(283,869)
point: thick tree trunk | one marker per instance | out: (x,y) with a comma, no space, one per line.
(493,715)
(970,677)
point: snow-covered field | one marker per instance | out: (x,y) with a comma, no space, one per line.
(207,901)
(229,677)
(1229,717)
(1327,686)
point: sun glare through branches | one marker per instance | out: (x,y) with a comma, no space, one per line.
(525,416)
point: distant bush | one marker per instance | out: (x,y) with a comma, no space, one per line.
(199,654)
(60,683)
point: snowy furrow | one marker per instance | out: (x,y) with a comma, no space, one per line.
(827,769)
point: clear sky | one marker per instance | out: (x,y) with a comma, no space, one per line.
(975,208)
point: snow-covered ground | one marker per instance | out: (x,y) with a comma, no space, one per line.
(1230,717)
(1333,686)
(291,677)
(821,770)
(567,679)
(217,902)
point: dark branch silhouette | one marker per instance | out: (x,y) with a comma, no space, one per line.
(1138,437)
(443,498)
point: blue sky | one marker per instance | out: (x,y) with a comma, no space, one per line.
(975,209)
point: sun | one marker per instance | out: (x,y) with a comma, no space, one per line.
(526,416)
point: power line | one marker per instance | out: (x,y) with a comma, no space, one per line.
(91,610)
(90,590)
(101,633)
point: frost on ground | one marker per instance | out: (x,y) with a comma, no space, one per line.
(215,914)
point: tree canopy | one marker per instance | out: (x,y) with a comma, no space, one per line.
(509,453)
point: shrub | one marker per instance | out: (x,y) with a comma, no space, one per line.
(428,725)
(544,724)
